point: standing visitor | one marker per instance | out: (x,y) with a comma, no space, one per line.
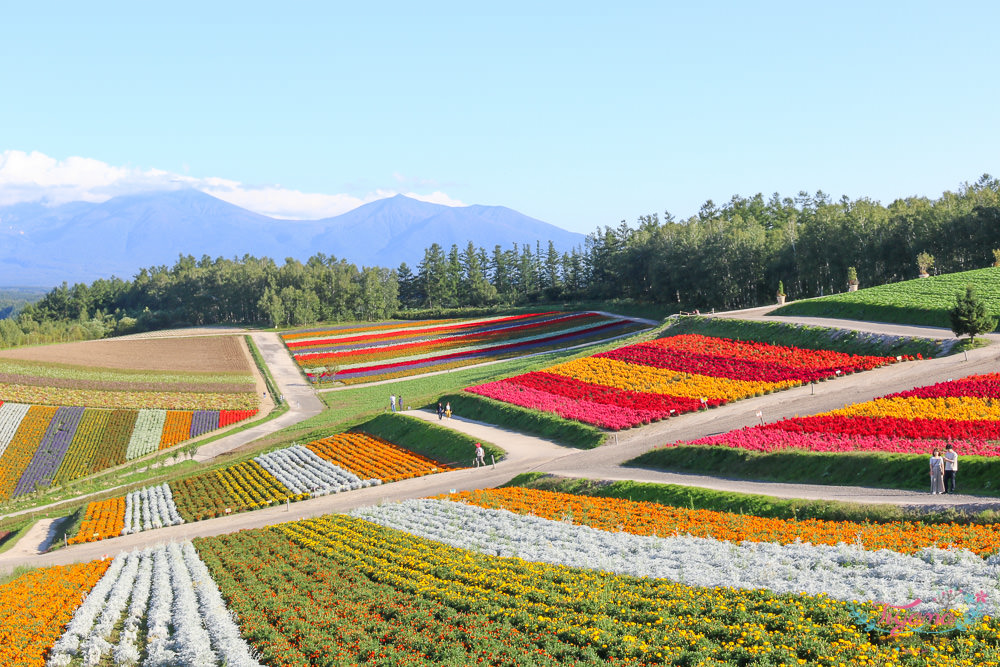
(950,468)
(392,402)
(399,400)
(447,409)
(937,473)
(440,411)
(480,455)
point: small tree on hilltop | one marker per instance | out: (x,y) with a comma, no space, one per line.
(969,316)
(925,261)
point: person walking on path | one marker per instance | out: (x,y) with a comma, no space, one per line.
(447,409)
(440,411)
(399,402)
(480,455)
(392,402)
(937,472)
(950,468)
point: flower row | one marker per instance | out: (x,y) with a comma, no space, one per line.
(133,400)
(339,463)
(645,382)
(356,355)
(161,603)
(641,518)
(915,421)
(45,445)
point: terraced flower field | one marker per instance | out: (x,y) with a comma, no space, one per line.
(645,382)
(339,463)
(42,445)
(367,353)
(513,576)
(908,422)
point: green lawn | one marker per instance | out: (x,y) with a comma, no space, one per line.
(924,301)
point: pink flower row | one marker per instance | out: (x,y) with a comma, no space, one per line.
(770,440)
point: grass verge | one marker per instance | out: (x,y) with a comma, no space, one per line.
(525,420)
(978,474)
(265,372)
(691,497)
(815,338)
(435,442)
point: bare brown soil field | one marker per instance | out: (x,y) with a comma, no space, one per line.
(215,354)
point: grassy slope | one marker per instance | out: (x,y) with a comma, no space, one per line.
(924,301)
(435,442)
(977,474)
(741,503)
(808,337)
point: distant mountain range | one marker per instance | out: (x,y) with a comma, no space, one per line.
(80,242)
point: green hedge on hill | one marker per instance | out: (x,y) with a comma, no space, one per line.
(441,444)
(524,420)
(977,474)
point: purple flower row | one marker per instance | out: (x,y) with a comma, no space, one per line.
(51,450)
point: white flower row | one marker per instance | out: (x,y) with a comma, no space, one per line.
(146,433)
(150,507)
(303,471)
(186,620)
(845,572)
(11,415)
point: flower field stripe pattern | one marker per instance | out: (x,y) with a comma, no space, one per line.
(50,451)
(114,442)
(102,519)
(149,507)
(176,428)
(641,383)
(423,351)
(35,606)
(347,618)
(577,615)
(11,415)
(229,417)
(641,518)
(146,434)
(704,562)
(370,457)
(489,352)
(169,587)
(22,447)
(300,470)
(910,422)
(203,421)
(355,357)
(409,330)
(84,446)
(250,486)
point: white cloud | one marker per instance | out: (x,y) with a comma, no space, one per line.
(36,177)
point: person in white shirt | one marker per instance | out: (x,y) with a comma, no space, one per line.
(950,468)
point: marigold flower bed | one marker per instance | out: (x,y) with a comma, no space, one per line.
(642,518)
(645,382)
(917,421)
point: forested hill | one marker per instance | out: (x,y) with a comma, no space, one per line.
(727,256)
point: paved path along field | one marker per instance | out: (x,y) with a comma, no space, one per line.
(302,400)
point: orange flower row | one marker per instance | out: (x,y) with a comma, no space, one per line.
(103,519)
(36,606)
(370,457)
(640,518)
(176,428)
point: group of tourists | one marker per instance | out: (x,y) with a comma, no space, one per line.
(444,411)
(943,470)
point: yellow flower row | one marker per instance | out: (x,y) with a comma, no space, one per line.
(963,408)
(636,377)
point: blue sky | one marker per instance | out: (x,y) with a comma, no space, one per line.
(579,114)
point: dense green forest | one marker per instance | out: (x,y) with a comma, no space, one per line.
(727,256)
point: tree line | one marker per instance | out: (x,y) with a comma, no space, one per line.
(726,256)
